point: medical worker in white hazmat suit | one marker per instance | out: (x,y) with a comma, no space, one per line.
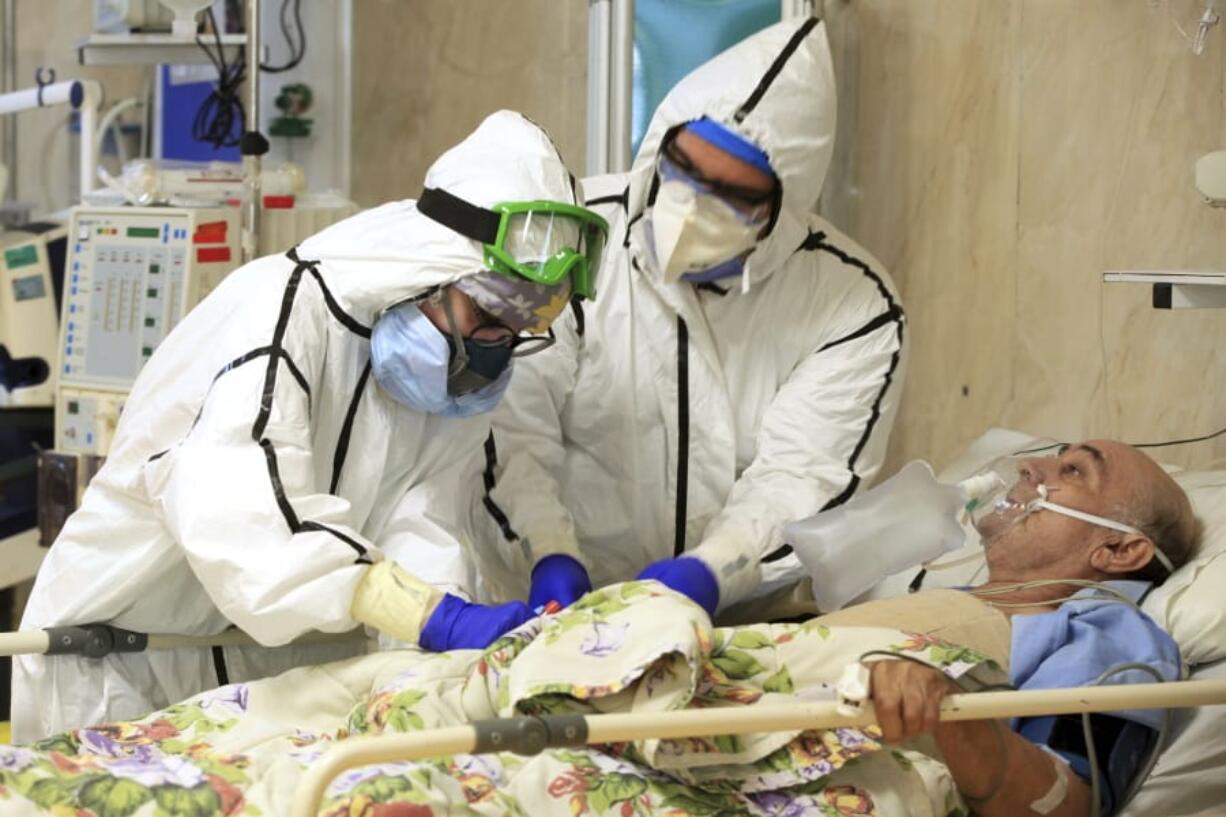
(740,370)
(281,439)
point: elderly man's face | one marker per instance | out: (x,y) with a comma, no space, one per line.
(1101,477)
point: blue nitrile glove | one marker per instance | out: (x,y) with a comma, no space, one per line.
(559,578)
(461,625)
(689,576)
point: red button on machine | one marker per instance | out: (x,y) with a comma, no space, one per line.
(212,255)
(214,232)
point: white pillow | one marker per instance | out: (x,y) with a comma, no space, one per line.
(1191,604)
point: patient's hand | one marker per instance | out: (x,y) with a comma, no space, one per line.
(907,698)
(999,772)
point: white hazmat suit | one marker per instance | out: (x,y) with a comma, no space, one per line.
(258,470)
(674,419)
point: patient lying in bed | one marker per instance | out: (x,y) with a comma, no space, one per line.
(1046,638)
(637,647)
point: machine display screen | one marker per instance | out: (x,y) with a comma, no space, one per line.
(29,288)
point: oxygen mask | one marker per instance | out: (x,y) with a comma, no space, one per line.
(1012,489)
(1002,495)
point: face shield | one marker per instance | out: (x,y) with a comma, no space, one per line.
(1009,490)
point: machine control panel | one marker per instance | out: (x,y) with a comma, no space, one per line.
(132,274)
(87,420)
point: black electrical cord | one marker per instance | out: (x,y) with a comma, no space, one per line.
(221,119)
(1163,444)
(296,51)
(1217,433)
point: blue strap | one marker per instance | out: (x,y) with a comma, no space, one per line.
(731,142)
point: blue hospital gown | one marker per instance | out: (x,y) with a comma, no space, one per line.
(1073,646)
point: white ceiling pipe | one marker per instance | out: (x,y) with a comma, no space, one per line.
(598,32)
(252,161)
(621,85)
(799,8)
(89,125)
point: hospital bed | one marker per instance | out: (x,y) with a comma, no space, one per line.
(1187,778)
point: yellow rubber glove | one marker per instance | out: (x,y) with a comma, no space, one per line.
(394,601)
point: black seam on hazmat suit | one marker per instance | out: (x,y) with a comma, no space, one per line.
(894,314)
(347,320)
(261,422)
(342,443)
(276,354)
(254,354)
(775,69)
(683,436)
(498,514)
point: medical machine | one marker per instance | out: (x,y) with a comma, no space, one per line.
(62,480)
(285,221)
(31,276)
(133,273)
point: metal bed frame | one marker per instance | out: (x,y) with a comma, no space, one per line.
(531,735)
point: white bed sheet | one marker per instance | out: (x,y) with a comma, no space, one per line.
(1190,777)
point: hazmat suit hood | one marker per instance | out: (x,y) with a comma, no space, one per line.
(776,89)
(393,253)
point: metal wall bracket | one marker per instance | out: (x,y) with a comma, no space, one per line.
(1177,290)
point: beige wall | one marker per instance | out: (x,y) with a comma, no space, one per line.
(426,72)
(997,157)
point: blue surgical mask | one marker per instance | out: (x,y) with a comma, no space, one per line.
(410,359)
(728,269)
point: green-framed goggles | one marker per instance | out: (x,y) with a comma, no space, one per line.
(542,241)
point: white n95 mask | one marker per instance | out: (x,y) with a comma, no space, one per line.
(691,231)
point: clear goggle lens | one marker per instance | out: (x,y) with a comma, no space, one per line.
(534,237)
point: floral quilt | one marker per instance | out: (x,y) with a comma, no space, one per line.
(635,647)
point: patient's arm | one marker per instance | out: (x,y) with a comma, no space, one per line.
(998,771)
